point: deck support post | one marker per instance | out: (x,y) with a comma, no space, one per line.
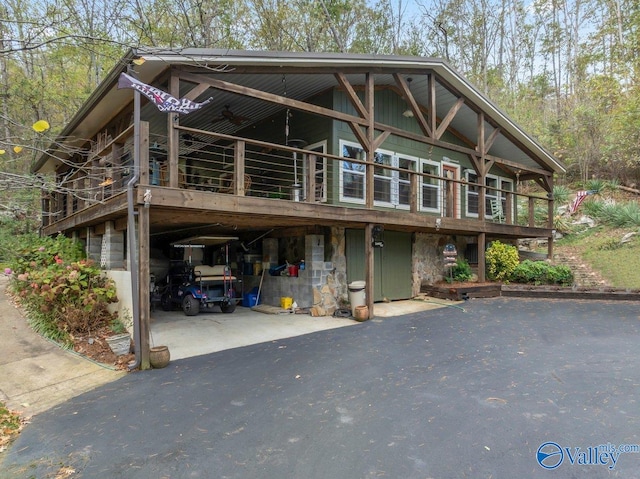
(369,267)
(482,277)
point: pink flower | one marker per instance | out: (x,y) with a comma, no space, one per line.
(7,271)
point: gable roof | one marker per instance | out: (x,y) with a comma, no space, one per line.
(299,76)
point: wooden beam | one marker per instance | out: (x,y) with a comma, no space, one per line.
(120,224)
(460,149)
(359,134)
(196,91)
(352,95)
(546,182)
(446,121)
(175,209)
(270,97)
(491,140)
(405,91)
(380,139)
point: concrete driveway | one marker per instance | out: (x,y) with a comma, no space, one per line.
(484,391)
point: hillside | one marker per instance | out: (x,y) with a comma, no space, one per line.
(602,250)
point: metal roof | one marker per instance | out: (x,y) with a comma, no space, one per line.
(298,76)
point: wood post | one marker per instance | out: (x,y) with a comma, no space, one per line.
(414,193)
(369,168)
(144,277)
(311,178)
(532,210)
(173,138)
(369,271)
(238,170)
(482,275)
(144,154)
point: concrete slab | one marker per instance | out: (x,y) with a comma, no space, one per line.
(212,331)
(209,332)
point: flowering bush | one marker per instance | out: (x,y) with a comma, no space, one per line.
(64,294)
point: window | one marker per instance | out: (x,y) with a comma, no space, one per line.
(491,194)
(496,189)
(430,187)
(473,191)
(383,178)
(391,185)
(406,163)
(352,174)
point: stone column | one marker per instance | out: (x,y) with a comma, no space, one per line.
(112,251)
(94,245)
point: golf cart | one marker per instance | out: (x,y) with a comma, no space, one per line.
(198,287)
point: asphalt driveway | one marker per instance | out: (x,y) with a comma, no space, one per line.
(447,393)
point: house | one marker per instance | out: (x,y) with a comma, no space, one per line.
(364,167)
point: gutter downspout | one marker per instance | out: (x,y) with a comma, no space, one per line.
(131,232)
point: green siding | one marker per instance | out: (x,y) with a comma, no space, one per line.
(392,264)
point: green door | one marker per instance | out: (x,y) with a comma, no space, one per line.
(392,264)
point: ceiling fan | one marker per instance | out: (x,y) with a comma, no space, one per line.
(228,115)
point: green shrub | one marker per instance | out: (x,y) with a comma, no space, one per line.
(501,260)
(560,274)
(593,208)
(596,185)
(561,194)
(613,184)
(461,271)
(541,272)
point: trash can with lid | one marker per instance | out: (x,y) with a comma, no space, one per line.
(356,295)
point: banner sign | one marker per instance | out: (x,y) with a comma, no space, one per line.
(165,102)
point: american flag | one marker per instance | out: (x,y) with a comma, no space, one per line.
(163,100)
(580,196)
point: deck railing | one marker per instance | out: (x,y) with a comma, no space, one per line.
(214,162)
